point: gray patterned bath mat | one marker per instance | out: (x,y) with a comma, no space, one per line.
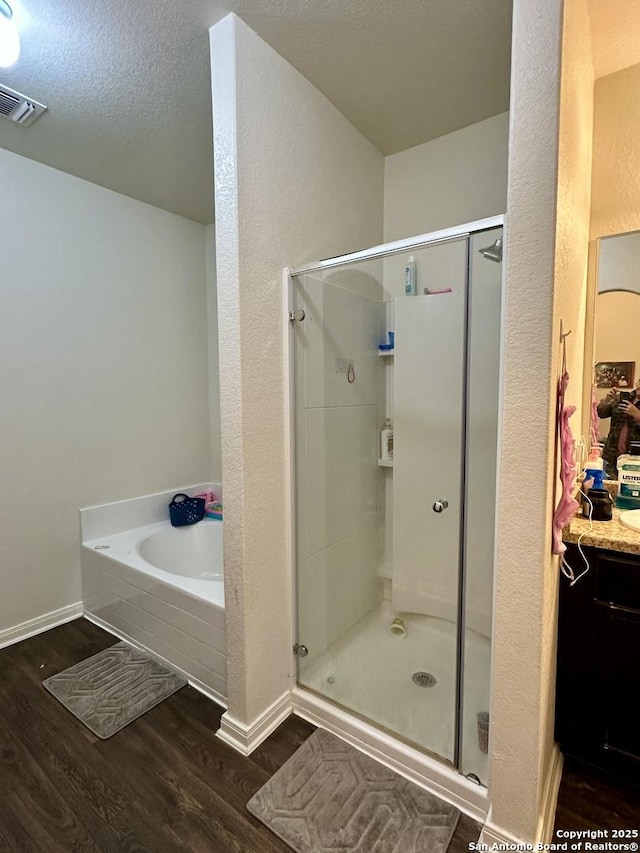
(108,691)
(329,797)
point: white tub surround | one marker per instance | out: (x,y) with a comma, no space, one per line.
(175,556)
(157,586)
(116,517)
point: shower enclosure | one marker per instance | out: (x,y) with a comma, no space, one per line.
(394,559)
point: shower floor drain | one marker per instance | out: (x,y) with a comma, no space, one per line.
(423,679)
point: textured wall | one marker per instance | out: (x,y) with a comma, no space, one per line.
(214,366)
(526,580)
(454,179)
(294,182)
(617,28)
(103,345)
(615,205)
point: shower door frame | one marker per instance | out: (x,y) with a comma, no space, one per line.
(421,767)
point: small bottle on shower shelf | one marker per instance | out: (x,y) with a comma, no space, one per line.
(410,277)
(386,441)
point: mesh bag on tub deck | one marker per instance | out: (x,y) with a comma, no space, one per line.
(185,510)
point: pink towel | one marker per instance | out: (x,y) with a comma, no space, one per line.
(594,440)
(567,505)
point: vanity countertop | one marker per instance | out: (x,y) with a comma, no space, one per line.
(610,535)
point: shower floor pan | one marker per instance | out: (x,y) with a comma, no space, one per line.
(384,679)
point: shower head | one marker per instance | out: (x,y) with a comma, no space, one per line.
(493,252)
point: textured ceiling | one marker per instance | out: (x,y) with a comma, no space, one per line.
(615,35)
(128,90)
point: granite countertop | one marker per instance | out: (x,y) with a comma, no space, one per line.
(605,534)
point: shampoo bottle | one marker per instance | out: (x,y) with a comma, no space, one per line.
(386,441)
(410,277)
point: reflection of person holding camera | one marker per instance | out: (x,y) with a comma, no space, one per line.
(624,410)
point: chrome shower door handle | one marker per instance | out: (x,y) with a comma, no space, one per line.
(441,505)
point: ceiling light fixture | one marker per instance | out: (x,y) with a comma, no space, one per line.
(9,38)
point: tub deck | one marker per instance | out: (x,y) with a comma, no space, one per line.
(123,548)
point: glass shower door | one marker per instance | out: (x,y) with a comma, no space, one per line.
(379,542)
(485,311)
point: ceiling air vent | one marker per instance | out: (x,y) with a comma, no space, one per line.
(19,108)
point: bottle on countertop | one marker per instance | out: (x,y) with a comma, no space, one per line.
(599,506)
(629,478)
(595,460)
(386,441)
(594,466)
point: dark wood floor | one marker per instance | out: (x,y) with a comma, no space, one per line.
(590,800)
(162,784)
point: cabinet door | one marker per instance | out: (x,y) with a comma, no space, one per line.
(577,644)
(617,664)
(598,691)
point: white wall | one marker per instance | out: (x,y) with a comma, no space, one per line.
(615,311)
(618,263)
(294,182)
(103,346)
(454,179)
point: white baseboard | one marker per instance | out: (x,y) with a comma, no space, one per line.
(31,627)
(193,682)
(550,797)
(493,834)
(429,773)
(245,738)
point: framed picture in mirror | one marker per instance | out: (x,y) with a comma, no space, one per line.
(615,374)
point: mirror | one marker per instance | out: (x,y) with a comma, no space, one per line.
(619,263)
(616,348)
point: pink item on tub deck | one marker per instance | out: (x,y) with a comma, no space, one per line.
(428,292)
(567,505)
(209,497)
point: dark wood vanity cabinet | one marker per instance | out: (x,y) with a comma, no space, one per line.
(598,682)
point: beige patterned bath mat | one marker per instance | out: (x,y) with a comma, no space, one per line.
(108,691)
(329,797)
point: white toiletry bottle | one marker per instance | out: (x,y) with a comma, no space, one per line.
(410,277)
(386,441)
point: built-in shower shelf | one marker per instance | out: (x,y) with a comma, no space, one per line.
(385,463)
(386,353)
